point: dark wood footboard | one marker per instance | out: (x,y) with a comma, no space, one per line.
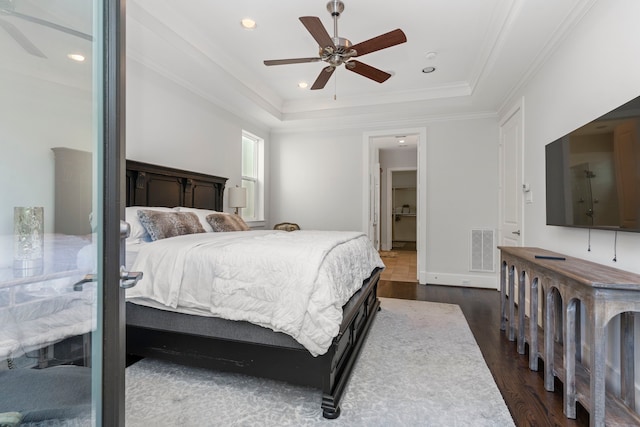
(234,351)
(345,351)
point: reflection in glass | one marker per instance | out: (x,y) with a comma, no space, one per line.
(28,240)
(47,307)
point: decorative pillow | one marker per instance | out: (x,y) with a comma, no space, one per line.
(161,225)
(202,216)
(138,232)
(223,221)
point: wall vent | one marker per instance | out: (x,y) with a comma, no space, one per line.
(483,249)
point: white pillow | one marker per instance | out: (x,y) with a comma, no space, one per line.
(138,232)
(202,216)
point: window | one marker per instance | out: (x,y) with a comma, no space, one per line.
(253,176)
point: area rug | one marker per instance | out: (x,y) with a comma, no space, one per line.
(420,366)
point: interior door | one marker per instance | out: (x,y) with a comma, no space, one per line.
(61,305)
(511,180)
(374,205)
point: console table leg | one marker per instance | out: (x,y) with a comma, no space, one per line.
(570,360)
(503,297)
(627,364)
(549,311)
(521,311)
(512,304)
(533,326)
(598,364)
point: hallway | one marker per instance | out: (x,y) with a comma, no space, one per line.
(401,266)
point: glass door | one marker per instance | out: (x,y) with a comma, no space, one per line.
(61,309)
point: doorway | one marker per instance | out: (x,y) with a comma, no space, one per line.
(383,151)
(402,209)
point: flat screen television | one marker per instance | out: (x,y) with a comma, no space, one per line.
(593,173)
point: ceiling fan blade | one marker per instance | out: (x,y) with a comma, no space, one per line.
(323,78)
(367,71)
(49,24)
(21,39)
(317,30)
(290,61)
(383,41)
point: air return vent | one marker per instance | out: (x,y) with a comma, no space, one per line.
(482,250)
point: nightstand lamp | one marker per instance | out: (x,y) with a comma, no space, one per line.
(237,197)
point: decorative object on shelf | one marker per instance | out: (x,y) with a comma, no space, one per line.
(237,197)
(28,239)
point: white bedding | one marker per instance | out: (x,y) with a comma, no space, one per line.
(291,282)
(43,309)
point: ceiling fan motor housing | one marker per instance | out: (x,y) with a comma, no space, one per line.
(340,54)
(335,7)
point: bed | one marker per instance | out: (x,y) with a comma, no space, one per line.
(192,337)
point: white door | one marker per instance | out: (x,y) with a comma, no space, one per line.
(510,233)
(374,208)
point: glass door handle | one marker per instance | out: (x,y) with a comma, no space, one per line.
(128,279)
(78,286)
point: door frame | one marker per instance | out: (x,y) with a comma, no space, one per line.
(112,317)
(370,157)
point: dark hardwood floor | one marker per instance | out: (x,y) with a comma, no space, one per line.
(522,389)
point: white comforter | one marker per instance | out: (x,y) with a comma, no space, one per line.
(292,282)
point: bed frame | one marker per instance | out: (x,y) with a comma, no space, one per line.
(238,346)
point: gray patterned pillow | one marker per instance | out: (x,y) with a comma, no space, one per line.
(161,225)
(227,222)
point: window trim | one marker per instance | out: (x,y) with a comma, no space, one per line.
(258,180)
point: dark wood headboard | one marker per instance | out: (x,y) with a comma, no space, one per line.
(153,185)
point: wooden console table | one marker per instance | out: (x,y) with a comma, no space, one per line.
(563,284)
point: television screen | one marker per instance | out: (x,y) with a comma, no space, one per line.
(593,173)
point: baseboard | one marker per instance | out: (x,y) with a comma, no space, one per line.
(467,280)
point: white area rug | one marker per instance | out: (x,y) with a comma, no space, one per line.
(420,366)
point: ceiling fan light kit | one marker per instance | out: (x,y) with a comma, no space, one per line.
(336,51)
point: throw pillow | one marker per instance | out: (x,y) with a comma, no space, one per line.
(223,221)
(161,225)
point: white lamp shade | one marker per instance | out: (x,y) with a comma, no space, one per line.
(237,197)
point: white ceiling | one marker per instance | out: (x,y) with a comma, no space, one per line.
(485,49)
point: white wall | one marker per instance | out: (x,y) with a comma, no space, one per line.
(35,116)
(462,183)
(594,70)
(317,181)
(171,126)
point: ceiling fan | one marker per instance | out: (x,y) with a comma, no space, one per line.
(7,8)
(336,50)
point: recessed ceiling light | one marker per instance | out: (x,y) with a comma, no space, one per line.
(431,55)
(401,141)
(76,57)
(428,70)
(303,85)
(248,24)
